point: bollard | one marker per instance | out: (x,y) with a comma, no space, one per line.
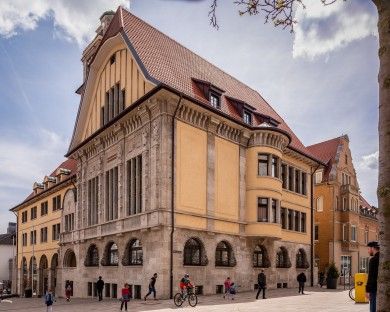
(360,287)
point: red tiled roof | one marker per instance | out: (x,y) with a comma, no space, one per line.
(326,150)
(364,203)
(69,164)
(168,62)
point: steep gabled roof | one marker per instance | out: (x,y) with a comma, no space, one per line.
(164,61)
(325,151)
(364,202)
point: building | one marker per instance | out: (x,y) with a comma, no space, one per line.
(39,224)
(180,168)
(344,221)
(7,252)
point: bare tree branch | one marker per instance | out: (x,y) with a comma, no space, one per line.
(213,15)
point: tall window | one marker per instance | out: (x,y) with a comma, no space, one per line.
(301,261)
(113,257)
(282,259)
(291,178)
(284,176)
(24,239)
(247,117)
(345,232)
(318,177)
(44,235)
(273,210)
(69,222)
(296,225)
(366,236)
(275,167)
(24,216)
(134,185)
(93,200)
(262,209)
(215,100)
(304,183)
(345,204)
(114,104)
(345,265)
(316,232)
(290,219)
(320,204)
(111,193)
(136,254)
(33,212)
(263,165)
(44,208)
(33,237)
(193,252)
(56,232)
(223,254)
(283,218)
(56,202)
(297,181)
(303,222)
(353,233)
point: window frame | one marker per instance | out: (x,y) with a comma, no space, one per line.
(261,208)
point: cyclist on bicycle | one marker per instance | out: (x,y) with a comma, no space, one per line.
(185,284)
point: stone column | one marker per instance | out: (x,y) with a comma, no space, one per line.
(269,210)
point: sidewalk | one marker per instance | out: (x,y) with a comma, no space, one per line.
(315,299)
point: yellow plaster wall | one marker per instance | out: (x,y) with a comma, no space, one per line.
(124,71)
(52,217)
(190,222)
(226,179)
(191,167)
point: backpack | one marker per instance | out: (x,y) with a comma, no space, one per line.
(49,299)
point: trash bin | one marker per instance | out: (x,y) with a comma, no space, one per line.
(28,293)
(360,287)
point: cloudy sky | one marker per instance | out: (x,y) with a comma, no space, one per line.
(322,79)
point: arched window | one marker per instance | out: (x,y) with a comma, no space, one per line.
(260,257)
(282,259)
(33,265)
(301,262)
(43,263)
(113,254)
(69,259)
(92,258)
(224,255)
(320,203)
(136,254)
(194,253)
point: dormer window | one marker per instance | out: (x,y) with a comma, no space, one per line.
(215,100)
(247,116)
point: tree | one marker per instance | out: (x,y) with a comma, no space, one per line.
(281,13)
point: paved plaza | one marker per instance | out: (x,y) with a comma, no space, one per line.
(287,300)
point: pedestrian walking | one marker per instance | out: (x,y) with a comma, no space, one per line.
(99,287)
(301,278)
(372,281)
(321,279)
(261,283)
(232,290)
(227,284)
(125,296)
(68,292)
(49,300)
(152,286)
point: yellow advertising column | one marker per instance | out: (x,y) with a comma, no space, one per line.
(360,287)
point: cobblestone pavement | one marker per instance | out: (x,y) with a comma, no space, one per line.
(287,300)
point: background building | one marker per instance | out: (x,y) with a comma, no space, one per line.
(39,225)
(344,221)
(7,253)
(180,168)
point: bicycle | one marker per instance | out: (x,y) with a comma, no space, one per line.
(352,293)
(189,295)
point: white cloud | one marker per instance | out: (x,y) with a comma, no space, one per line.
(323,29)
(73,19)
(370,161)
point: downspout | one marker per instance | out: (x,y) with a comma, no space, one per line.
(173,137)
(312,227)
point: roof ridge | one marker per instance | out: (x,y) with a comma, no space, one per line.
(323,142)
(201,57)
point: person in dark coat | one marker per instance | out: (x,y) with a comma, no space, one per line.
(301,278)
(99,287)
(261,283)
(372,281)
(322,279)
(152,287)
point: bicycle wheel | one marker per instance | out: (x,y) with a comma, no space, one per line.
(352,293)
(178,300)
(192,300)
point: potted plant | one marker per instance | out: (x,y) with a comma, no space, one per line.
(332,276)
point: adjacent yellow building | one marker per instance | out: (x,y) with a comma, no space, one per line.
(39,219)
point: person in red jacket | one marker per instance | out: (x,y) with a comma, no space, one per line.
(125,296)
